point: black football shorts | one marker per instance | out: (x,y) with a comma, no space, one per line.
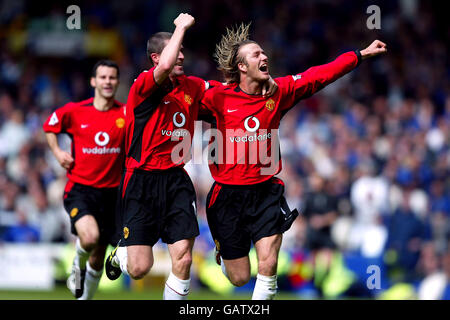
(81,200)
(240,215)
(155,205)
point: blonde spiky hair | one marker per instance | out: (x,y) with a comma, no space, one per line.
(227,50)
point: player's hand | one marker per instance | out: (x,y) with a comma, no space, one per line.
(64,159)
(269,88)
(184,20)
(377,47)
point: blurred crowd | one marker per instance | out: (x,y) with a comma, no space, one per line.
(366,160)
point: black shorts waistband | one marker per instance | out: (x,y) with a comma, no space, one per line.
(245,186)
(156,171)
(86,187)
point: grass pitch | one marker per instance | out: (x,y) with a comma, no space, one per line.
(62,293)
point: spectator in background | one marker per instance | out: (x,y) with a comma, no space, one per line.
(320,212)
(369,198)
(13,134)
(21,231)
(9,192)
(446,268)
(407,234)
(434,278)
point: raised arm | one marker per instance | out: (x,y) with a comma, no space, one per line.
(169,54)
(305,84)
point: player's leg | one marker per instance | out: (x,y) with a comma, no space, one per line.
(179,232)
(138,216)
(267,250)
(178,283)
(94,271)
(225,212)
(237,270)
(181,255)
(88,234)
(272,217)
(134,260)
(139,260)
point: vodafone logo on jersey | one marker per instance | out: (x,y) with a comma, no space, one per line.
(101,139)
(179,120)
(175,119)
(252,127)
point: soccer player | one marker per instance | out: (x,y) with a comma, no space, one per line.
(157,195)
(94,167)
(246,204)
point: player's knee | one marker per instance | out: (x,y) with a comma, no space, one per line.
(239,280)
(139,271)
(89,240)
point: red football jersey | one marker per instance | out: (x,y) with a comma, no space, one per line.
(247,148)
(97,141)
(158,118)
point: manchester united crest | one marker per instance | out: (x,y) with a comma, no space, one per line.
(188,99)
(120,123)
(270,104)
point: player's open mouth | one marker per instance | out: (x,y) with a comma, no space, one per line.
(264,68)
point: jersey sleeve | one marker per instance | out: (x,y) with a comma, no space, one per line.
(207,105)
(305,84)
(145,83)
(60,120)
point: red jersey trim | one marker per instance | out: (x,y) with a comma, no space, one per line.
(214,195)
(126,180)
(277,181)
(69,186)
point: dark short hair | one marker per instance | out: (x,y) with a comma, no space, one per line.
(155,44)
(107,63)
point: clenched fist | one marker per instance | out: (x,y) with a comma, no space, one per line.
(184,20)
(377,47)
(65,159)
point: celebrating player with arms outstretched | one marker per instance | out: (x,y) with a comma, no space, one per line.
(246,202)
(94,167)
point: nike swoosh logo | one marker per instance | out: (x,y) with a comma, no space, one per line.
(166,102)
(83,126)
(232,110)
